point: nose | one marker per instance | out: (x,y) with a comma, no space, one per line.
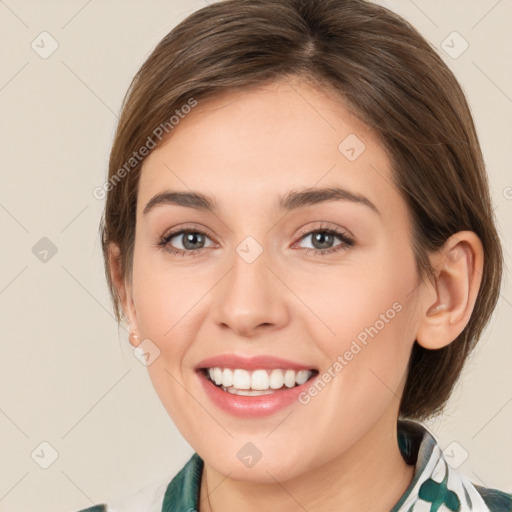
(251,298)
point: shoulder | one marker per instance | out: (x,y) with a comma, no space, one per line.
(96,508)
(165,493)
(496,501)
(147,498)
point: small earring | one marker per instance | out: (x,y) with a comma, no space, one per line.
(134,338)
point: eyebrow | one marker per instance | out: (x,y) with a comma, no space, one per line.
(290,201)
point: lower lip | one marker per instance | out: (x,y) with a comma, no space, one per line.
(251,406)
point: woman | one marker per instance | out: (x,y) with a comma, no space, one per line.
(299,234)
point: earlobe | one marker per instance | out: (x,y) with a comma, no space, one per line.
(134,338)
(448,305)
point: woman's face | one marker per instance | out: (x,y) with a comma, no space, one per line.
(267,280)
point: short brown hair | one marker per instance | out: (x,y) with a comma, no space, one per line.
(388,75)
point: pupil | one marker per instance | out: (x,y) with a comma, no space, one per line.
(191,239)
(326,237)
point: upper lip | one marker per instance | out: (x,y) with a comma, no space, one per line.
(251,363)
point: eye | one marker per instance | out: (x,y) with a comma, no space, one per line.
(190,241)
(187,242)
(323,239)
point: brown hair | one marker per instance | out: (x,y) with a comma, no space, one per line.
(387,74)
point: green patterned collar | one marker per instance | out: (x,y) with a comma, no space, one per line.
(436,486)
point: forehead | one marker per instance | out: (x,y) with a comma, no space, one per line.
(248,147)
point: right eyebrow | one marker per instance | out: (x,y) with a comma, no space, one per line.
(188,199)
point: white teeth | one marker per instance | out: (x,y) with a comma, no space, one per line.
(276,379)
(257,382)
(227,377)
(244,392)
(217,375)
(302,376)
(289,378)
(259,379)
(241,379)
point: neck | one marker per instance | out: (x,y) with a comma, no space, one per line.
(371,476)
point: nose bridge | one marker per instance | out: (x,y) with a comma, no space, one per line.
(250,295)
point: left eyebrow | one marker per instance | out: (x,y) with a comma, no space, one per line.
(290,201)
(309,196)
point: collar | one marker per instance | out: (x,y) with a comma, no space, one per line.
(435,486)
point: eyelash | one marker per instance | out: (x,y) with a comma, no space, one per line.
(346,240)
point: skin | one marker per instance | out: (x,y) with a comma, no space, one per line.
(245,149)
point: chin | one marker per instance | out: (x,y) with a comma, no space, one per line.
(251,465)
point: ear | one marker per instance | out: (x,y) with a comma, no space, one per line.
(448,305)
(124,292)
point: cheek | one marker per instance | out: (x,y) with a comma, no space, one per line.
(353,299)
(165,299)
(370,314)
(166,304)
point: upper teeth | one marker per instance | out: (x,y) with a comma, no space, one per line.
(258,379)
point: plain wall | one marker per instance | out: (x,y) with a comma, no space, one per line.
(67,376)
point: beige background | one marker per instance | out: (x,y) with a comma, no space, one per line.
(67,376)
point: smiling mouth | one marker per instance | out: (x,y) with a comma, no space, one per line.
(257,382)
